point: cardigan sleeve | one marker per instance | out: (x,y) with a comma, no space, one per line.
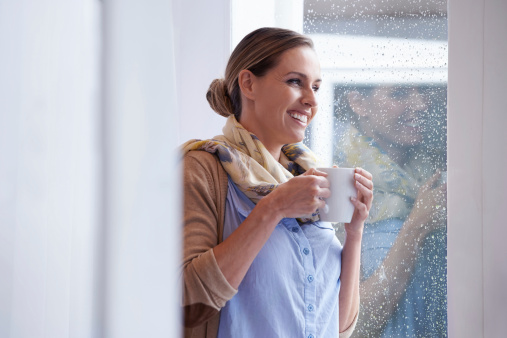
(205,289)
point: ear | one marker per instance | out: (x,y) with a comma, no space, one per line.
(246,80)
(357,103)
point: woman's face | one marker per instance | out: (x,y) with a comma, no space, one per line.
(283,101)
(393,115)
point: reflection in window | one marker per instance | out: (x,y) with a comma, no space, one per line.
(384,109)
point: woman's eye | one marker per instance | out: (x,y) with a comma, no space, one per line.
(315,88)
(296,82)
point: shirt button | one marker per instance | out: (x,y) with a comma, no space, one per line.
(306,251)
(311,336)
(310,308)
(295,229)
(310,278)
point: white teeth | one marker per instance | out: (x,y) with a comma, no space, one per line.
(300,117)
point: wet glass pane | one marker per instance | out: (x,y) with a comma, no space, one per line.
(383,108)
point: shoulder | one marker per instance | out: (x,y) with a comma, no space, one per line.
(202,163)
(201,156)
(205,169)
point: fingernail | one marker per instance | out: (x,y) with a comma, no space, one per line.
(352,198)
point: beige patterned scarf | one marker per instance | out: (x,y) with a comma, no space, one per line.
(250,165)
(395,189)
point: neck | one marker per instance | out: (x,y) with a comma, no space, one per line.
(273,149)
(251,126)
(397,153)
(274,152)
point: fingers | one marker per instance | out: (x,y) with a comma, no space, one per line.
(318,172)
(299,196)
(318,177)
(321,205)
(324,193)
(433,180)
(364,194)
(364,173)
(364,186)
(368,183)
(361,207)
(312,186)
(313,171)
(318,190)
(317,202)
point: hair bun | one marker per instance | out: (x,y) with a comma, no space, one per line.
(218,98)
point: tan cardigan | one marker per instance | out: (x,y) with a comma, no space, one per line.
(205,289)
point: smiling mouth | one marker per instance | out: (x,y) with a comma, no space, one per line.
(300,117)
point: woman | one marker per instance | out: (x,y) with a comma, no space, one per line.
(257,262)
(403,268)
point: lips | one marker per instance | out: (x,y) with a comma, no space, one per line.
(413,124)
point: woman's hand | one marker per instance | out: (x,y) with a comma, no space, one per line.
(363,202)
(429,211)
(301,195)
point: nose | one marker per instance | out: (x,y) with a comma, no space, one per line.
(309,98)
(417,100)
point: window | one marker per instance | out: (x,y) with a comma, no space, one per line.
(383,107)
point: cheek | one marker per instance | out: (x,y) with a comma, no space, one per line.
(398,109)
(279,98)
(314,112)
(388,111)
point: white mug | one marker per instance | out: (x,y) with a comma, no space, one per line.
(339,208)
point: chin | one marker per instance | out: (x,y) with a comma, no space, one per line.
(297,139)
(407,140)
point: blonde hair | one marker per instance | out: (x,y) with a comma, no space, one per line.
(258,52)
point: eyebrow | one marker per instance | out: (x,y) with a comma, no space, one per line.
(303,76)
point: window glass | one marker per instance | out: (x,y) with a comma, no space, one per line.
(382,107)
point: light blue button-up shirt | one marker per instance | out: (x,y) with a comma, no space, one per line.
(292,286)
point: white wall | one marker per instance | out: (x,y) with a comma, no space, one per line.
(202,44)
(142,192)
(494,163)
(477,191)
(89,190)
(49,101)
(247,16)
